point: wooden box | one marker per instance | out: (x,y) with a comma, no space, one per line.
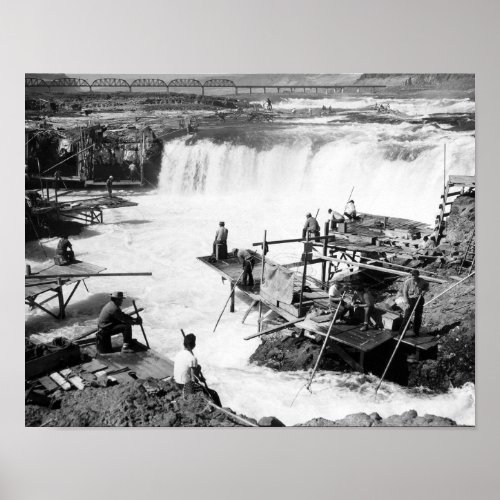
(391,321)
(342,227)
(60,358)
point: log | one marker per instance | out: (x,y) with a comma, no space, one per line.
(129,310)
(383,269)
(274,329)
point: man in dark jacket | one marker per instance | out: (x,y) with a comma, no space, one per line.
(311,227)
(65,251)
(246,258)
(112,320)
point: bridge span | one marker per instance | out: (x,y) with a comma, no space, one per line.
(161,85)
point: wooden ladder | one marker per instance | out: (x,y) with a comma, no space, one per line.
(470,253)
(443,214)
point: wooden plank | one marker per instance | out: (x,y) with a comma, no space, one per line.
(383,269)
(463,180)
(274,329)
(349,335)
(420,342)
(145,363)
(85,275)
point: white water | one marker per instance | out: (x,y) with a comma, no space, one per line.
(413,107)
(255,185)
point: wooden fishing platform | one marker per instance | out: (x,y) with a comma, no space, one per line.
(144,363)
(90,210)
(347,340)
(116,184)
(371,225)
(84,363)
(35,286)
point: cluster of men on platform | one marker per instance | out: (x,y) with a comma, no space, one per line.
(345,299)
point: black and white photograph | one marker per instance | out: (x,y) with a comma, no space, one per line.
(250,250)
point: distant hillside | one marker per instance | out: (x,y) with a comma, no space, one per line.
(455,81)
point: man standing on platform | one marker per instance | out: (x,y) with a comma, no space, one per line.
(220,242)
(246,258)
(311,226)
(109,185)
(112,320)
(413,294)
(364,298)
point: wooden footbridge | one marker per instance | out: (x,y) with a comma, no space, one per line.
(363,246)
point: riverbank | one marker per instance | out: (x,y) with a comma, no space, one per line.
(131,405)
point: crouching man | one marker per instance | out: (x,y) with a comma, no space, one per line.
(187,371)
(112,320)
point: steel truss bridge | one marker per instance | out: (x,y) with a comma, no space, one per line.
(183,83)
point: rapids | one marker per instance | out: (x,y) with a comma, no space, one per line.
(257,177)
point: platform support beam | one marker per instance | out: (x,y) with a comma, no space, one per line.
(60,297)
(231,305)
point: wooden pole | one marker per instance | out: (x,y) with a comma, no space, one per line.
(141,325)
(60,297)
(304,274)
(82,275)
(274,329)
(444,170)
(380,268)
(259,326)
(348,199)
(231,305)
(231,295)
(448,289)
(66,159)
(95,330)
(324,343)
(325,250)
(397,345)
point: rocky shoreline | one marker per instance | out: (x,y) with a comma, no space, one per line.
(132,405)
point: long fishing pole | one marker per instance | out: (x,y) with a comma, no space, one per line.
(202,379)
(308,384)
(224,308)
(420,297)
(324,343)
(348,199)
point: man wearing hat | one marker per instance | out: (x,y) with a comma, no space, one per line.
(311,226)
(413,294)
(112,320)
(220,242)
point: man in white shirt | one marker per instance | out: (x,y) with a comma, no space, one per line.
(186,368)
(350,210)
(335,295)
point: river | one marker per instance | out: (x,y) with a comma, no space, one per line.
(267,176)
